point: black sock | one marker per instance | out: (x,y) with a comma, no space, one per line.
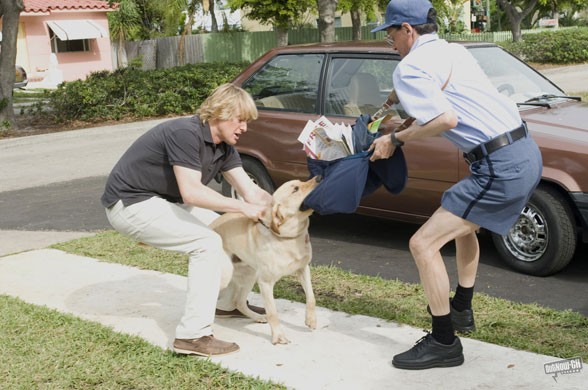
(443,329)
(462,299)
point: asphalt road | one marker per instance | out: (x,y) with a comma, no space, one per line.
(53,183)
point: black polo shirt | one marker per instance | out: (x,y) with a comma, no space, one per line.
(146,168)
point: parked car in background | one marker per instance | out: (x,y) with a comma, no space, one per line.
(294,84)
(20,79)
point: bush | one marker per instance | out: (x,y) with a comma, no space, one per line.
(567,46)
(131,93)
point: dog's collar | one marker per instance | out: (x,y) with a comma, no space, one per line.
(272,231)
(263,224)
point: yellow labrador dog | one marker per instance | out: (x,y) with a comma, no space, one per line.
(276,246)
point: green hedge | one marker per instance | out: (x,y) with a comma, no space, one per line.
(569,46)
(133,93)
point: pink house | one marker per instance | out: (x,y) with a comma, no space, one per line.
(64,40)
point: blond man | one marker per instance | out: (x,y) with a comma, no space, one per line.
(157,194)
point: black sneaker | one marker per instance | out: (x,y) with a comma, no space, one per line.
(462,321)
(429,353)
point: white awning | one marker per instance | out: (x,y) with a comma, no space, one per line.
(69,30)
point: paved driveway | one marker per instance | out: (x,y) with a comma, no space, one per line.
(572,79)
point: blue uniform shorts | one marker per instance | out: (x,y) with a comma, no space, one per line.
(499,187)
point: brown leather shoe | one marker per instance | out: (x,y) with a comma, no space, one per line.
(237,313)
(204,346)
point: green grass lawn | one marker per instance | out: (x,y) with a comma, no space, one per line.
(44,349)
(41,348)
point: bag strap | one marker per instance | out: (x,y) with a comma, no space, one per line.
(448,78)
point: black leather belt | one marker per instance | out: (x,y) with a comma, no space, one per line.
(496,143)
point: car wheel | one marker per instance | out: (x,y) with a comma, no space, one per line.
(543,240)
(256,172)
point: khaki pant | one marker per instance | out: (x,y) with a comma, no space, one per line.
(181,228)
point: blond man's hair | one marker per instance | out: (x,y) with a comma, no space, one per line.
(225,102)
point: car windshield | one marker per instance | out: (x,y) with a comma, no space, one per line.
(513,77)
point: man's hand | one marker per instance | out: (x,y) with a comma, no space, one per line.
(252,211)
(382,147)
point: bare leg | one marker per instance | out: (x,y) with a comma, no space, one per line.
(425,247)
(468,257)
(441,348)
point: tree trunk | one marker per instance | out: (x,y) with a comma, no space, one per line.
(282,36)
(187,30)
(10,14)
(326,22)
(122,59)
(516,15)
(213,22)
(356,24)
(515,28)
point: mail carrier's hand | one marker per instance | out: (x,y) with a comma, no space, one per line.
(382,148)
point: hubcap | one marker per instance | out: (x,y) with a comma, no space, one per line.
(527,240)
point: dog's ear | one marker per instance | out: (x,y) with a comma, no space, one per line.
(277,219)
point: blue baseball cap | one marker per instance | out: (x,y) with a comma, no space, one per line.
(413,12)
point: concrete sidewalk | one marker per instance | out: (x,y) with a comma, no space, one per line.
(344,352)
(16,241)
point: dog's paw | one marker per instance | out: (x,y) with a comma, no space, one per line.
(261,319)
(311,323)
(280,339)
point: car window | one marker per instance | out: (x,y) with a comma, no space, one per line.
(288,83)
(358,85)
(511,76)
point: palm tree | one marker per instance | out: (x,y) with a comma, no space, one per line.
(122,24)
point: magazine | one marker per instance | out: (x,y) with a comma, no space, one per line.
(324,140)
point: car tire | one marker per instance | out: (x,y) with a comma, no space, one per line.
(256,172)
(543,240)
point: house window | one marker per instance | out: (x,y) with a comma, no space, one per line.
(59,46)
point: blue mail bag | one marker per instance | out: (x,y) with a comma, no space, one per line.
(342,184)
(346,180)
(392,173)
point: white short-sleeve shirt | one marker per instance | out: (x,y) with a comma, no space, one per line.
(483,113)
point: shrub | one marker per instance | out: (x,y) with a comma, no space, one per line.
(134,93)
(567,46)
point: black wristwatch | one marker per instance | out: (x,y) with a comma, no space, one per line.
(395,141)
